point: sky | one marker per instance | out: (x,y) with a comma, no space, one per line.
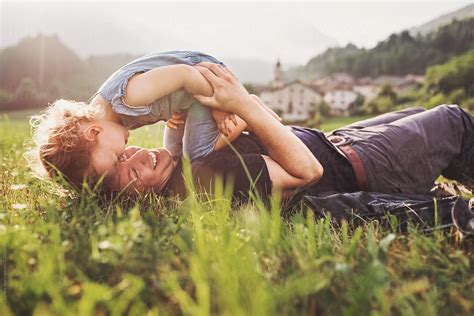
(291,31)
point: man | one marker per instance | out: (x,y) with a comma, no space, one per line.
(400,152)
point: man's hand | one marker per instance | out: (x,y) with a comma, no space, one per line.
(177,118)
(290,163)
(229,94)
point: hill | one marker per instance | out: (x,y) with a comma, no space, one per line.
(399,54)
(321,64)
(43,59)
(433,25)
(42,68)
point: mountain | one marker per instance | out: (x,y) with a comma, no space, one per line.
(433,25)
(41,58)
(39,69)
(399,54)
(321,64)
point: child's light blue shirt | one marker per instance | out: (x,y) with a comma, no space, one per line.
(200,132)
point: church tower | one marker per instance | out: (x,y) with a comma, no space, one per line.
(277,82)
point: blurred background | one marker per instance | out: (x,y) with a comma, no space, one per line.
(307,60)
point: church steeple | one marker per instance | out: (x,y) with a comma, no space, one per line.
(278,71)
(277,81)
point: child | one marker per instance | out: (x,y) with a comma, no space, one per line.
(80,139)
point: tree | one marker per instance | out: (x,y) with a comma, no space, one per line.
(387,91)
(355,108)
(26,90)
(55,89)
(399,54)
(379,105)
(385,101)
(457,73)
(4,96)
(41,58)
(324,109)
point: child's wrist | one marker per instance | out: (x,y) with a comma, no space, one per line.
(196,83)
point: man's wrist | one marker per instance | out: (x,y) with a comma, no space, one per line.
(248,108)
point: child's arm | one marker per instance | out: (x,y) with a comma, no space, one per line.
(230,128)
(145,88)
(202,134)
(174,132)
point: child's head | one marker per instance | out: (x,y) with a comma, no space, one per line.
(77,140)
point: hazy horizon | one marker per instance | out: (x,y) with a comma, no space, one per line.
(293,32)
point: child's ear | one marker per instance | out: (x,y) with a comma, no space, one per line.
(91,132)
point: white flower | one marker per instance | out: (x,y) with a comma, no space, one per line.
(16,187)
(19,206)
(104,244)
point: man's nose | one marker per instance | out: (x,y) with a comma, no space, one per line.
(139,157)
(131,150)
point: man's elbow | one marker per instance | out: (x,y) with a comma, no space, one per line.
(314,173)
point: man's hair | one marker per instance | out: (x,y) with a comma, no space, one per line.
(59,145)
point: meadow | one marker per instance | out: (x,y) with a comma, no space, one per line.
(69,254)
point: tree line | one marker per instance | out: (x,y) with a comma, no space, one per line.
(41,69)
(448,83)
(399,54)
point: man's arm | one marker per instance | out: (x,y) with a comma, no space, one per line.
(290,163)
(236,126)
(145,88)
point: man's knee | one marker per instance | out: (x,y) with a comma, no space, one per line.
(450,109)
(454,114)
(416,108)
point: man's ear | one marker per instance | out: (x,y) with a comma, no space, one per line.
(92,132)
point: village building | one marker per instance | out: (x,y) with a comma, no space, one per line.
(399,83)
(340,98)
(332,82)
(277,81)
(295,101)
(338,91)
(368,91)
(298,100)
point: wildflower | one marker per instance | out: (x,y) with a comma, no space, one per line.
(104,244)
(16,187)
(19,206)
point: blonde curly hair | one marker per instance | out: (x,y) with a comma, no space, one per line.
(59,144)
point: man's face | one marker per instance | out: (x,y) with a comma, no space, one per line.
(141,170)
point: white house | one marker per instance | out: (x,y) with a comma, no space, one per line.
(294,101)
(368,91)
(340,98)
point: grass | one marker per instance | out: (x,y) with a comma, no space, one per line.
(329,124)
(71,255)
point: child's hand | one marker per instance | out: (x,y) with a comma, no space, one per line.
(225,121)
(177,118)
